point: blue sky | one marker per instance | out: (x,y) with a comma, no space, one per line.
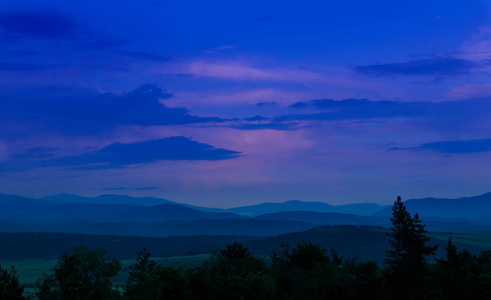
(225,104)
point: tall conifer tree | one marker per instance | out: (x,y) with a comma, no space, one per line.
(406,258)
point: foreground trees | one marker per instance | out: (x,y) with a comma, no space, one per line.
(463,275)
(233,273)
(9,285)
(147,280)
(308,272)
(83,274)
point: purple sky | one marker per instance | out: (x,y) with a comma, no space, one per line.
(225,104)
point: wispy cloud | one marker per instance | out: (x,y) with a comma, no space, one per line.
(219,49)
(265,125)
(458,146)
(471,90)
(437,66)
(349,109)
(244,72)
(478,46)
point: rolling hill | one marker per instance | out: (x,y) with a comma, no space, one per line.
(320,218)
(360,242)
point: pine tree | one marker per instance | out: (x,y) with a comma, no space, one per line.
(406,258)
(408,240)
(141,281)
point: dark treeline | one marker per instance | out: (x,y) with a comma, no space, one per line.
(305,271)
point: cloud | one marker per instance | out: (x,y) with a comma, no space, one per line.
(40,24)
(352,109)
(478,46)
(437,66)
(183,75)
(219,49)
(256,118)
(471,90)
(265,126)
(243,72)
(11,66)
(458,146)
(264,104)
(81,112)
(299,104)
(119,155)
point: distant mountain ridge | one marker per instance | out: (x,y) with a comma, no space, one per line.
(167,212)
(126,215)
(364,209)
(297,205)
(22,209)
(474,208)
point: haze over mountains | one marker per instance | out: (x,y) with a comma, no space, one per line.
(157,217)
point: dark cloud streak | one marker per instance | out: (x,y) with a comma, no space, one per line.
(39,24)
(454,147)
(352,109)
(81,112)
(118,155)
(438,66)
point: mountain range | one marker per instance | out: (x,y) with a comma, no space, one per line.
(157,217)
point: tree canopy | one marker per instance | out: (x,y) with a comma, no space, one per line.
(80,275)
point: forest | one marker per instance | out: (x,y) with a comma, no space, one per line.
(303,271)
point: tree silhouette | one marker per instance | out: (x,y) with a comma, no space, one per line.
(406,258)
(83,274)
(140,281)
(235,252)
(147,280)
(232,273)
(463,275)
(9,285)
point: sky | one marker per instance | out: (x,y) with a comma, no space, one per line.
(230,103)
